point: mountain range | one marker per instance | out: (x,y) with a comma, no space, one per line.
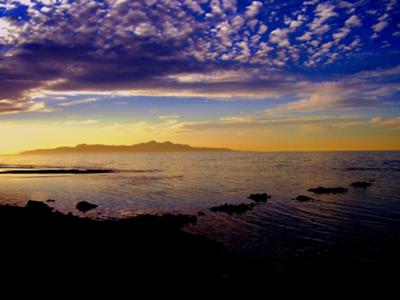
(151,146)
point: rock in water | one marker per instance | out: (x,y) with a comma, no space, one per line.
(323,190)
(233,209)
(84,206)
(259,197)
(303,198)
(361,184)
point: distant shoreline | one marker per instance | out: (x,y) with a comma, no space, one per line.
(30,152)
(163,147)
(148,147)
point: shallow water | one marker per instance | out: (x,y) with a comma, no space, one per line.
(365,221)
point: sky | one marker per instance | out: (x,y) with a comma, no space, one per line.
(249,75)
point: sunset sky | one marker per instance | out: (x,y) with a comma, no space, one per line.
(250,75)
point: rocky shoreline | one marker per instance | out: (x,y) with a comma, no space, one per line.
(156,248)
(36,237)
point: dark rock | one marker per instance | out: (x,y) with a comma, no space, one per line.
(117,254)
(233,208)
(259,197)
(201,214)
(177,221)
(51,201)
(38,207)
(361,184)
(323,190)
(155,247)
(57,171)
(84,206)
(303,198)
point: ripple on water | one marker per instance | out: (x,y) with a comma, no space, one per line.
(188,183)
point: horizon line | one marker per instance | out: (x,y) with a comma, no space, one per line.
(21,152)
(228,150)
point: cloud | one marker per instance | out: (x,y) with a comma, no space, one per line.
(230,5)
(306,36)
(323,12)
(262,122)
(280,36)
(38,107)
(263,29)
(173,117)
(341,34)
(324,96)
(194,6)
(394,122)
(387,123)
(12,107)
(365,89)
(376,120)
(253,9)
(9,31)
(81,123)
(295,23)
(383,22)
(345,4)
(380,26)
(331,96)
(353,21)
(151,47)
(77,102)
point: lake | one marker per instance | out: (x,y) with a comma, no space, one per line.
(364,223)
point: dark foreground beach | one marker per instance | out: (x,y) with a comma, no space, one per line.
(39,241)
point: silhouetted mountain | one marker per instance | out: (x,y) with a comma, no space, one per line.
(151,146)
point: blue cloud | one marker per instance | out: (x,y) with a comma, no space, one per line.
(270,46)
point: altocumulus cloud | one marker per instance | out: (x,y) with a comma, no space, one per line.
(151,47)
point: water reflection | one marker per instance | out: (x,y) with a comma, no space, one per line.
(189,183)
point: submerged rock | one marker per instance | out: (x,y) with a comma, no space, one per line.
(259,197)
(361,184)
(303,198)
(84,206)
(233,208)
(323,190)
(201,214)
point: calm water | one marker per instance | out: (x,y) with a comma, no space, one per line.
(368,220)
